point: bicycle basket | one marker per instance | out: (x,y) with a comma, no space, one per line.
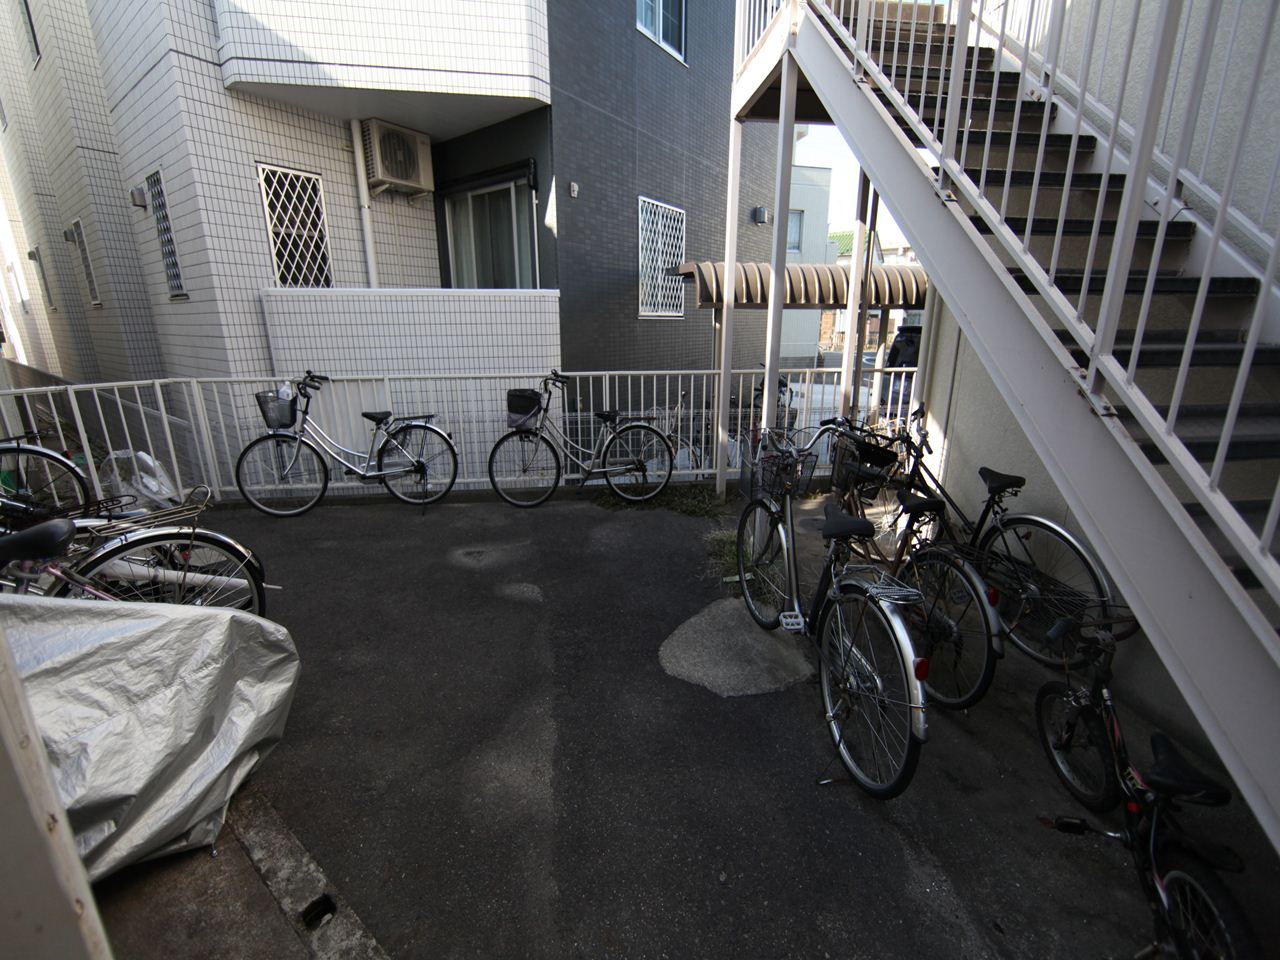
(276,413)
(860,462)
(523,407)
(782,473)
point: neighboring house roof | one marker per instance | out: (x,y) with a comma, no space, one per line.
(808,285)
(843,239)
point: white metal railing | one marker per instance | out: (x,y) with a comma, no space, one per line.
(1150,109)
(191,431)
(752,21)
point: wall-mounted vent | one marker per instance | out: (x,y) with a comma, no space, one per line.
(396,158)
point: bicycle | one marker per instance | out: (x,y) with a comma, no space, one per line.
(871,680)
(634,458)
(134,560)
(284,473)
(1036,571)
(1193,912)
(38,482)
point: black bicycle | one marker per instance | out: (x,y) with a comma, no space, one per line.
(1194,914)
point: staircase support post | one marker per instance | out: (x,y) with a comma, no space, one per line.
(851,360)
(778,260)
(729,295)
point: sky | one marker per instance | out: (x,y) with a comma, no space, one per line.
(823,146)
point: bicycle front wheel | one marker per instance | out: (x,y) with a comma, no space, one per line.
(281,475)
(1204,915)
(1074,738)
(420,464)
(637,462)
(524,468)
(177,565)
(762,564)
(39,484)
(953,628)
(866,695)
(1040,577)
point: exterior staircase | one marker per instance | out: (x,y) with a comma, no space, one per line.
(1152,397)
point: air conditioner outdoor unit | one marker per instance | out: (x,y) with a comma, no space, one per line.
(396,158)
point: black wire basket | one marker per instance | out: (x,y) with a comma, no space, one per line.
(778,474)
(277,414)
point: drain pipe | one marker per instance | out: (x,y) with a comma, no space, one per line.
(362,191)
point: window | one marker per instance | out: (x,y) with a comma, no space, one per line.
(661,247)
(294,206)
(34,257)
(31,31)
(77,229)
(795,229)
(164,232)
(491,239)
(663,20)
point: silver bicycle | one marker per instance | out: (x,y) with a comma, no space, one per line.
(284,472)
(524,466)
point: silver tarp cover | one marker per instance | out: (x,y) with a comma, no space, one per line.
(152,715)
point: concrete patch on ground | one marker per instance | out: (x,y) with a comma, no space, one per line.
(721,648)
(529,592)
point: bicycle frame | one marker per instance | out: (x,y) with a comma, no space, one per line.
(569,449)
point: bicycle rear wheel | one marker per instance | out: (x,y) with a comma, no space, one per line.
(637,462)
(1041,577)
(952,626)
(36,484)
(281,475)
(1207,918)
(762,564)
(866,694)
(425,460)
(1074,738)
(174,565)
(524,468)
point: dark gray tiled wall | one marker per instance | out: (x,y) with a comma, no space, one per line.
(629,119)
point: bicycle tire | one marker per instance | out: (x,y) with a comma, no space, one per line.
(1205,916)
(637,462)
(282,475)
(524,468)
(1074,738)
(1040,577)
(952,626)
(186,566)
(866,695)
(762,564)
(427,458)
(41,484)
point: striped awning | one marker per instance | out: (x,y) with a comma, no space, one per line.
(809,285)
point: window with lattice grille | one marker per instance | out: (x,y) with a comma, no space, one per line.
(294,205)
(164,233)
(77,229)
(661,247)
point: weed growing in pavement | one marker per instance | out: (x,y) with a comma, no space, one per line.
(722,557)
(691,499)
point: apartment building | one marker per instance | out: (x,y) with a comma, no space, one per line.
(249,188)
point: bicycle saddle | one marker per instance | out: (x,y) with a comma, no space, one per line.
(1172,774)
(840,526)
(998,483)
(376,416)
(41,542)
(912,505)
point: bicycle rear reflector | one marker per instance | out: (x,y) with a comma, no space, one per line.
(922,669)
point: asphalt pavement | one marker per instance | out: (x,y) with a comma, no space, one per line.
(545,733)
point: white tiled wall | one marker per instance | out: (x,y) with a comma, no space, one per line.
(488,47)
(412,332)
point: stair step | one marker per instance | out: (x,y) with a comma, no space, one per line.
(1080,227)
(980,107)
(1054,142)
(1262,446)
(1048,178)
(1203,354)
(1167,283)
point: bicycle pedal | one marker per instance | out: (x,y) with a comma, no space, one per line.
(792,622)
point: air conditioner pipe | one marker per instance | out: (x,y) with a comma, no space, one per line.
(362,190)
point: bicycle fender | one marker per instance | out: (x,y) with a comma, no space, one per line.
(45,452)
(1071,538)
(220,538)
(902,637)
(994,632)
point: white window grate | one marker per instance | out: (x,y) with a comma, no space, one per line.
(661,247)
(77,228)
(164,232)
(294,205)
